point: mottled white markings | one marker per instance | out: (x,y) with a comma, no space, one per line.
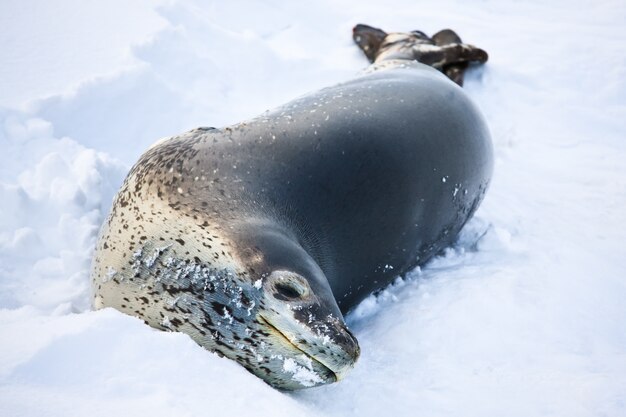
(111,272)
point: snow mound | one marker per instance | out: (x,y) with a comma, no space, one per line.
(51,213)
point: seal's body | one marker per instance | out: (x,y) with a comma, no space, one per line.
(255,238)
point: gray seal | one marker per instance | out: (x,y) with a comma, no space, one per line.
(255,239)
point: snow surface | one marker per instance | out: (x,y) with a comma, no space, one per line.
(525,316)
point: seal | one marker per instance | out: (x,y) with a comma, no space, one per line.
(255,239)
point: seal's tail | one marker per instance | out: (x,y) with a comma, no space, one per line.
(444,51)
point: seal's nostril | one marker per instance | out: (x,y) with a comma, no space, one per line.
(287,291)
(345,339)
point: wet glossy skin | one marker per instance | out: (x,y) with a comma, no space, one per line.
(255,238)
(373,177)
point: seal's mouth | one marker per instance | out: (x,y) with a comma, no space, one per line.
(334,376)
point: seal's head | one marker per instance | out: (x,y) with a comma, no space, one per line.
(280,327)
(297,337)
(247,291)
(302,342)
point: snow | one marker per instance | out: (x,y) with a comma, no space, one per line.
(305,375)
(524,316)
(40,43)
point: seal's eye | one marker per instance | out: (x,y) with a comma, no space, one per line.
(288,290)
(287,286)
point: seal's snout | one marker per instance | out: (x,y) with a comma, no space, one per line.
(348,343)
(347,350)
(303,320)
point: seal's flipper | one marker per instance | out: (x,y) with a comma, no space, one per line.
(368,38)
(446,37)
(440,57)
(445,51)
(453,59)
(421,35)
(455,71)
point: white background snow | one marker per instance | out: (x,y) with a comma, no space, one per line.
(525,316)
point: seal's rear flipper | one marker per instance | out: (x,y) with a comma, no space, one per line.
(454,71)
(445,37)
(445,51)
(368,38)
